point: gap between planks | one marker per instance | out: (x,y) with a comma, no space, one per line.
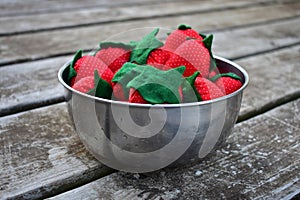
(209,29)
(40,8)
(189,10)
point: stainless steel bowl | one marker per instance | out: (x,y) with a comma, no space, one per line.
(143,138)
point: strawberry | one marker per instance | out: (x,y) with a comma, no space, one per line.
(207,89)
(84,66)
(193,55)
(228,82)
(179,36)
(114,55)
(158,58)
(119,93)
(84,85)
(136,97)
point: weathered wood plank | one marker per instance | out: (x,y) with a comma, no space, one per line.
(260,160)
(73,18)
(28,85)
(274,79)
(51,126)
(265,36)
(40,153)
(13,8)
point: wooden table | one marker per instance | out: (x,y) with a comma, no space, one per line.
(41,155)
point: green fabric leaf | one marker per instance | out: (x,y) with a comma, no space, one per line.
(72,71)
(230,74)
(157,86)
(126,74)
(208,44)
(202,35)
(190,94)
(183,27)
(125,70)
(102,88)
(105,45)
(144,47)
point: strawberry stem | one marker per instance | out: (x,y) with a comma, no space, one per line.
(183,27)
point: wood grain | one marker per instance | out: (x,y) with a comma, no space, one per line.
(29,85)
(40,153)
(273,80)
(51,126)
(101,14)
(259,160)
(31,7)
(33,46)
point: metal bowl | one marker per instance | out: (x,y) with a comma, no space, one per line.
(142,137)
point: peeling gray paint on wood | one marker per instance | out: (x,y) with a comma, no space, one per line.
(259,160)
(267,36)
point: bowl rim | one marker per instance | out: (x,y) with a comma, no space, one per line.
(109,101)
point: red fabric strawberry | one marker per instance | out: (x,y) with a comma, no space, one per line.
(114,55)
(119,93)
(158,58)
(228,82)
(179,36)
(207,89)
(85,84)
(193,55)
(84,66)
(136,97)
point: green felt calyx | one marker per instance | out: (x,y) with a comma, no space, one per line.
(72,71)
(183,27)
(190,94)
(125,74)
(144,47)
(158,86)
(154,85)
(105,45)
(207,41)
(101,88)
(229,74)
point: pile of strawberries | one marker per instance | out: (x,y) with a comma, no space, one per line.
(180,70)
